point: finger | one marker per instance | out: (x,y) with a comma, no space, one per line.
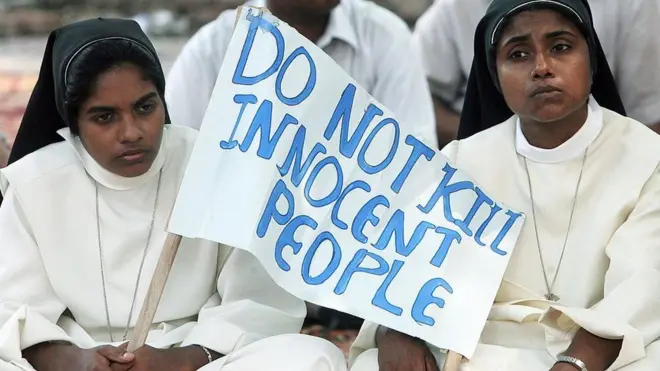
(116,354)
(101,363)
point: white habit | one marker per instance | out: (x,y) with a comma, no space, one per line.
(609,280)
(215,296)
(373,46)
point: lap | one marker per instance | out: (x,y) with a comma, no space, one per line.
(486,358)
(290,352)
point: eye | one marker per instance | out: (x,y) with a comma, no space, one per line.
(104,118)
(561,48)
(145,109)
(518,54)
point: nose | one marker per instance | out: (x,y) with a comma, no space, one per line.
(130,131)
(542,68)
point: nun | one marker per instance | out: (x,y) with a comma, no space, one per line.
(93,176)
(544,131)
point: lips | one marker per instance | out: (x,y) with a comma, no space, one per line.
(545,90)
(133,155)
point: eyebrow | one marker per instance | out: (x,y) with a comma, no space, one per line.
(103,109)
(145,98)
(549,35)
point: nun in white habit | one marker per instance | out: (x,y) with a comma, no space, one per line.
(545,132)
(93,176)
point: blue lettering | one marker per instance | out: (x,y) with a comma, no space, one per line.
(271,212)
(347,146)
(262,122)
(493,211)
(336,192)
(362,161)
(355,266)
(243,100)
(311,79)
(426,298)
(448,239)
(366,214)
(445,190)
(481,199)
(419,149)
(505,229)
(380,299)
(332,265)
(257,22)
(358,184)
(295,157)
(395,227)
(287,239)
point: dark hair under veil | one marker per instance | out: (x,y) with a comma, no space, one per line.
(75,56)
(484,105)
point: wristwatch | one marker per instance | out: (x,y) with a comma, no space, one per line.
(572,361)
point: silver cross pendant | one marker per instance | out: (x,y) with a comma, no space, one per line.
(552,297)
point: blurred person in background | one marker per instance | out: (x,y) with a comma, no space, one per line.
(4,150)
(628,31)
(372,44)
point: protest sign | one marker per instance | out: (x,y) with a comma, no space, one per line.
(342,205)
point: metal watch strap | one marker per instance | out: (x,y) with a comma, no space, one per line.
(208,354)
(573,362)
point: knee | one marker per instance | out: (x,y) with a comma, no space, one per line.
(367,361)
(309,353)
(320,354)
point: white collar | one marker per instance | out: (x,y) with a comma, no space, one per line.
(340,26)
(571,148)
(107,178)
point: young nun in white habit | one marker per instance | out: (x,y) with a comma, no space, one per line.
(544,131)
(93,177)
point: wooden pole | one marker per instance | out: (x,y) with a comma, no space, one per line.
(155,292)
(452,362)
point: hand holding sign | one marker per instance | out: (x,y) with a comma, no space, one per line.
(342,205)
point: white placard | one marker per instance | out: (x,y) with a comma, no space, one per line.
(342,205)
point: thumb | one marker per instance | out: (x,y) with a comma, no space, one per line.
(116,354)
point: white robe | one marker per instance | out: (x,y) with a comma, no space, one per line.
(609,280)
(215,296)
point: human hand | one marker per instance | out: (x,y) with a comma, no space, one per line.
(175,359)
(64,357)
(401,352)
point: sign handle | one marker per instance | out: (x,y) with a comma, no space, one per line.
(452,362)
(156,287)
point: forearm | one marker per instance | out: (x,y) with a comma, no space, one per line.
(195,356)
(40,356)
(598,354)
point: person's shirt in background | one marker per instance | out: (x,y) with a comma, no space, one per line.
(4,150)
(628,31)
(370,43)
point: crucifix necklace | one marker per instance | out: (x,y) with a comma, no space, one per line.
(550,285)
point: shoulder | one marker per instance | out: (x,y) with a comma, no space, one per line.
(444,14)
(53,159)
(633,139)
(490,140)
(180,139)
(374,23)
(213,38)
